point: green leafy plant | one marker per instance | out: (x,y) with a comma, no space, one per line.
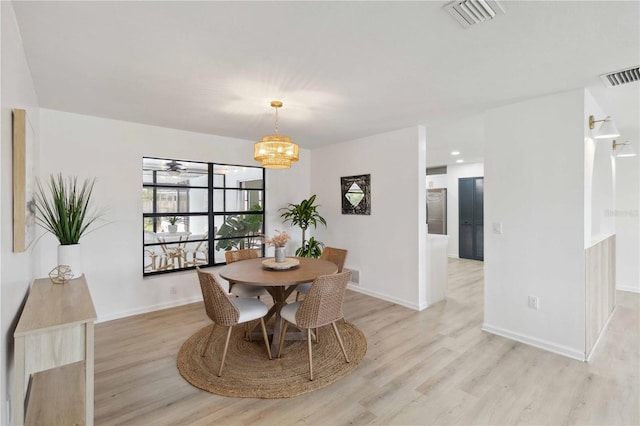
(311,248)
(240,231)
(64,207)
(174,220)
(304,215)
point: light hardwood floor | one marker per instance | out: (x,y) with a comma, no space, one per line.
(430,367)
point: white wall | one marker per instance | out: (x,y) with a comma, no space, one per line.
(112,151)
(16,269)
(627,218)
(534,187)
(385,246)
(284,187)
(599,175)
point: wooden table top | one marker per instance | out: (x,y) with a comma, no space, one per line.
(251,272)
(56,305)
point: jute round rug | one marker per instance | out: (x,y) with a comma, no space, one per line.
(248,372)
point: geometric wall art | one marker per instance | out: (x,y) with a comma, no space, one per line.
(356,194)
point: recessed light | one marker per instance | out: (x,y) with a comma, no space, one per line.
(455,152)
(460,161)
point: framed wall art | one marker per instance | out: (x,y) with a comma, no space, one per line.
(24,206)
(356,194)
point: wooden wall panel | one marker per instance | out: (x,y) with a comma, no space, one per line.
(19,181)
(600,288)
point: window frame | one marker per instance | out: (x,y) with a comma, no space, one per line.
(213,210)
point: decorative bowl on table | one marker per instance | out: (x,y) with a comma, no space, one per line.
(289,263)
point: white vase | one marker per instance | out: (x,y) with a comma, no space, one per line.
(280,255)
(71,255)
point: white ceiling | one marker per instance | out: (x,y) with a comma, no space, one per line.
(344,70)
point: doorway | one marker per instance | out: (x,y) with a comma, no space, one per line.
(471,218)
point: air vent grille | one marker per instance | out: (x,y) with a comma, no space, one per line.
(355,276)
(617,78)
(472,12)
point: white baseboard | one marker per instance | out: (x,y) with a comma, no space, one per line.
(453,256)
(533,341)
(383,296)
(149,308)
(628,288)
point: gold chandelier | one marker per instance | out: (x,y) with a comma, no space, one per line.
(276,151)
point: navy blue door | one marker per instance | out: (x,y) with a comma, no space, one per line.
(471,218)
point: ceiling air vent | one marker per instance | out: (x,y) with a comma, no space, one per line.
(472,12)
(617,78)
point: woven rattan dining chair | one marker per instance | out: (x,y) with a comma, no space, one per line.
(199,253)
(240,289)
(321,306)
(227,312)
(332,254)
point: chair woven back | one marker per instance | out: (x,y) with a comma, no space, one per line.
(216,302)
(243,254)
(323,304)
(334,255)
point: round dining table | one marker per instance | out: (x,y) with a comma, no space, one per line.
(280,283)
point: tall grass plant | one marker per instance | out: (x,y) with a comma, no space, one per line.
(64,207)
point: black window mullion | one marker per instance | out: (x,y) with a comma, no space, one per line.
(155,200)
(212,233)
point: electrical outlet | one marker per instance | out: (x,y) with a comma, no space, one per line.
(173,291)
(533,302)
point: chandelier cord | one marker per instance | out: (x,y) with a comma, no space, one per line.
(276,120)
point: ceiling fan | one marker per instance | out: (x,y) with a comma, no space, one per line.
(174,168)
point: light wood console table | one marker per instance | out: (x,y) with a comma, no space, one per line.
(53,355)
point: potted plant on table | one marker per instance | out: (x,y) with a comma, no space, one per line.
(65,210)
(279,242)
(304,215)
(173,223)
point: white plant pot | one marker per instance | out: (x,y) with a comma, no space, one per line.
(173,228)
(71,255)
